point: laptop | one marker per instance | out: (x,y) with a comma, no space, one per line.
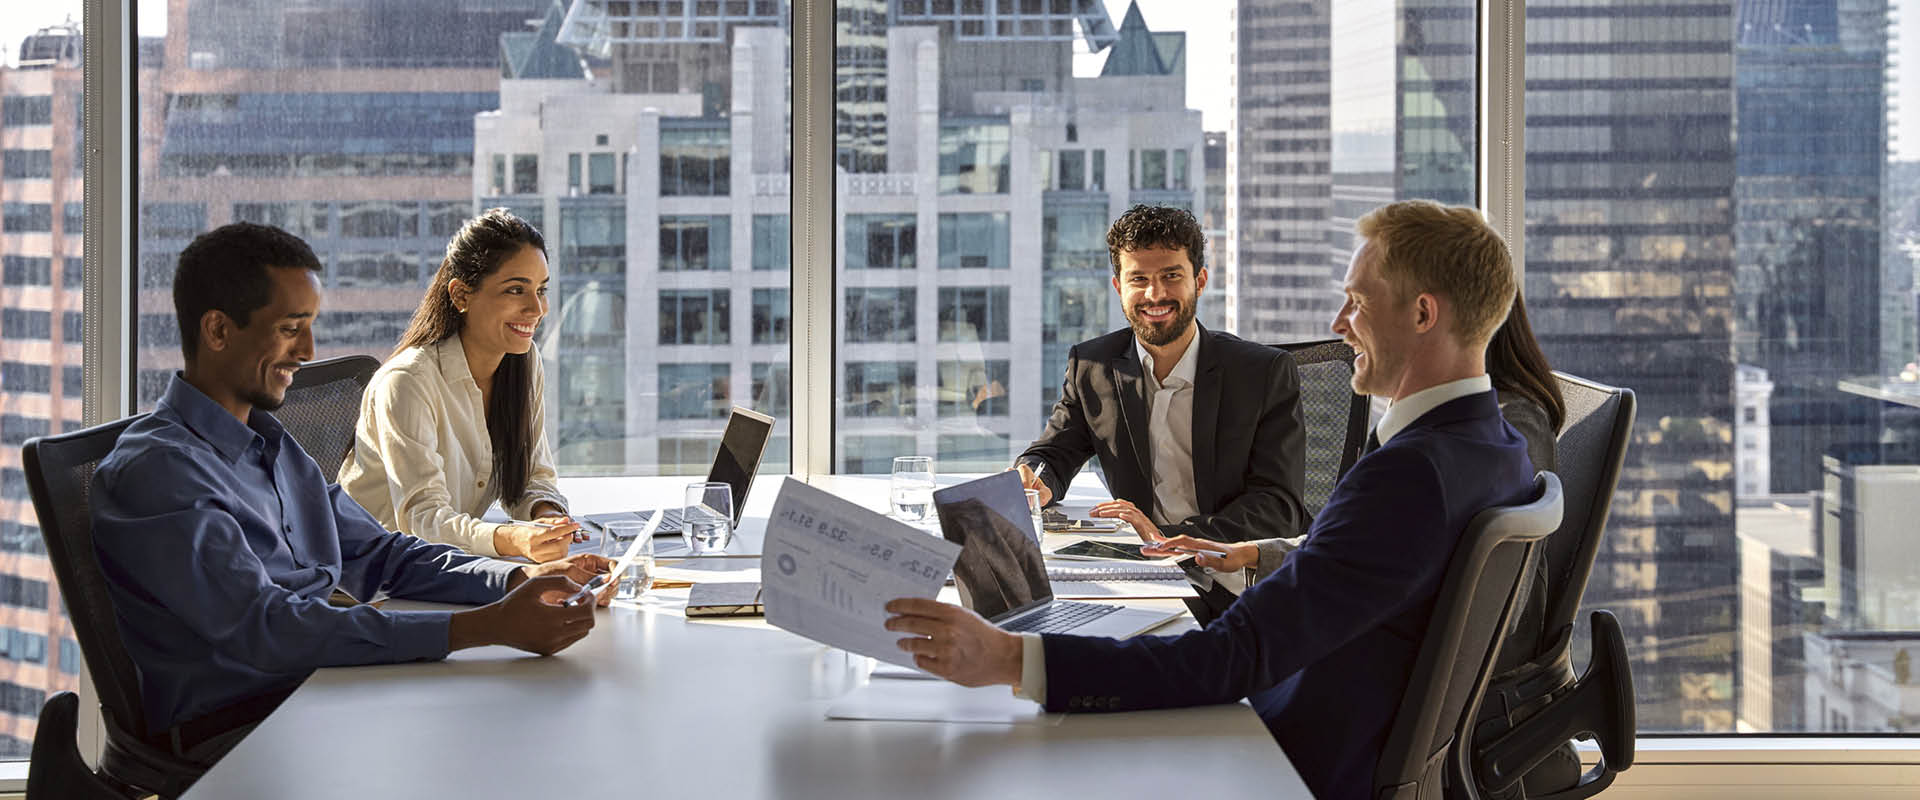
(1002,575)
(736,464)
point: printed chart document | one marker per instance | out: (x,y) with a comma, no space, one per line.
(829,567)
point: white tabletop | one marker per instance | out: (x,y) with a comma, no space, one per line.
(653,704)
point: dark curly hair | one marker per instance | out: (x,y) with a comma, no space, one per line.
(1157,226)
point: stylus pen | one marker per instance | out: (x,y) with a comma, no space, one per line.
(585,595)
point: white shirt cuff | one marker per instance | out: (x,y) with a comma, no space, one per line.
(1033,669)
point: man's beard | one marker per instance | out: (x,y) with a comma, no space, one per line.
(260,399)
(1147,331)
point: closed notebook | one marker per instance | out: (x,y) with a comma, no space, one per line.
(737,599)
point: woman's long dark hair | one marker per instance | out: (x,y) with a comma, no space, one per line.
(1515,363)
(478,250)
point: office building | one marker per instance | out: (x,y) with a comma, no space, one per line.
(977,177)
(292,114)
(1862,682)
(1811,111)
(1751,432)
(1779,604)
(1629,280)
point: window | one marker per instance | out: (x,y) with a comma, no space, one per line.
(879,315)
(772,311)
(1073,170)
(379,220)
(26,163)
(974,452)
(23,110)
(881,241)
(879,389)
(173,220)
(974,388)
(600,177)
(772,389)
(693,391)
(695,243)
(1073,236)
(694,160)
(771,240)
(1153,170)
(694,316)
(974,241)
(973,314)
(26,217)
(973,157)
(526,174)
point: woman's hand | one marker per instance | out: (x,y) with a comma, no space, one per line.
(536,541)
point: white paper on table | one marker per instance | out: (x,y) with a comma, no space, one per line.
(829,567)
(938,701)
(633,550)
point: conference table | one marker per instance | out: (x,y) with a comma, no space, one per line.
(653,704)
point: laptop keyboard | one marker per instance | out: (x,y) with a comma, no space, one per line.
(1060,615)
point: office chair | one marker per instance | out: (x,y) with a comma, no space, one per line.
(56,769)
(1335,417)
(1534,708)
(322,408)
(59,471)
(1478,597)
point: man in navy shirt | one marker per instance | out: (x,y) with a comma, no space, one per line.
(1324,644)
(223,542)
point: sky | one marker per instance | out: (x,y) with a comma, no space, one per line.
(1208,88)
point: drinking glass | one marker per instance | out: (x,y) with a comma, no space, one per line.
(912,490)
(707,524)
(1033,508)
(620,537)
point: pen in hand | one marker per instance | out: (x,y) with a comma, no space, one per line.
(586,593)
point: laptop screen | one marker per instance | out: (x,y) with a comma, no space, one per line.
(1000,570)
(739,457)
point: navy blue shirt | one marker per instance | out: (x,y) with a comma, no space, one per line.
(222,543)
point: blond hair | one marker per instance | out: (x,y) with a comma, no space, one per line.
(1447,251)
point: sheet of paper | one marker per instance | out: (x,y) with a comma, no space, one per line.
(830,566)
(938,701)
(633,550)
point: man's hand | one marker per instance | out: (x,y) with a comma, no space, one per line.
(533,617)
(1129,513)
(954,643)
(1028,480)
(537,541)
(579,569)
(1222,556)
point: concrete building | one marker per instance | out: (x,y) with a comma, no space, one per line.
(1751,432)
(1862,682)
(1779,605)
(973,204)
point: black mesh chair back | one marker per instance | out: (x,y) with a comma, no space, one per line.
(56,769)
(1591,447)
(1335,417)
(59,477)
(1477,599)
(322,408)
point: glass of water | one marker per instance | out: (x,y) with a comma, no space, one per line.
(1033,509)
(707,524)
(912,490)
(621,537)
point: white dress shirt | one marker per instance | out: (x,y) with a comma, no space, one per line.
(422,462)
(1170,435)
(1407,409)
(1033,653)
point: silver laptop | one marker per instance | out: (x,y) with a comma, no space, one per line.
(1002,575)
(736,464)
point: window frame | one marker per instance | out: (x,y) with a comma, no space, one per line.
(1758,765)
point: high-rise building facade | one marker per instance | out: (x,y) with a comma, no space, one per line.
(1629,263)
(1810,96)
(977,176)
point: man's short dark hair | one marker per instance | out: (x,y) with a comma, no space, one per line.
(1157,226)
(225,270)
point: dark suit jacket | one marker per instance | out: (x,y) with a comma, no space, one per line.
(1249,444)
(1324,646)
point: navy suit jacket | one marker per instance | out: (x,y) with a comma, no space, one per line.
(1323,647)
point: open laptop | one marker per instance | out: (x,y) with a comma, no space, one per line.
(736,464)
(1002,575)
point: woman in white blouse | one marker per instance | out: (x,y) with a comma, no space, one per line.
(455,420)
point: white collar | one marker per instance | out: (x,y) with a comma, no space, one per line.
(1184,369)
(1416,405)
